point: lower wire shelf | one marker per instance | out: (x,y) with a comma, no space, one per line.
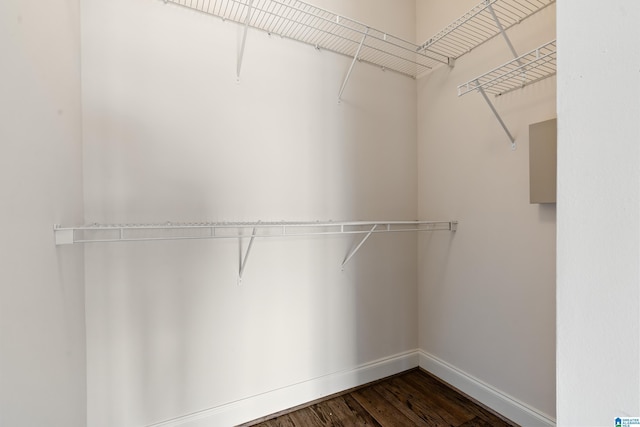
(95,233)
(218,230)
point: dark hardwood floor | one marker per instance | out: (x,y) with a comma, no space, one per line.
(412,398)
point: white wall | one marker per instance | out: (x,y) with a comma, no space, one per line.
(170,135)
(42,336)
(160,306)
(486,294)
(397,20)
(598,211)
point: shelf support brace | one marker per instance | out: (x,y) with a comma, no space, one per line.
(243,260)
(495,113)
(502,31)
(505,36)
(355,58)
(244,38)
(357,247)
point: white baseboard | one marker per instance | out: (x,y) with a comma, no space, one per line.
(274,401)
(500,402)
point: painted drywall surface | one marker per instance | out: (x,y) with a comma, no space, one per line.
(598,211)
(397,20)
(171,135)
(42,345)
(487,293)
(431,17)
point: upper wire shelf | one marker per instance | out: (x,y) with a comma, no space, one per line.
(529,68)
(481,24)
(219,230)
(309,24)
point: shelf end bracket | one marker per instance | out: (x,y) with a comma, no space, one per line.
(64,236)
(495,113)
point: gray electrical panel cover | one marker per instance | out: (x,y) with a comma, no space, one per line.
(543,161)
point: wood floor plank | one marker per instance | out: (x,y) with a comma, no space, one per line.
(304,417)
(351,413)
(421,404)
(454,401)
(325,415)
(477,422)
(384,413)
(307,417)
(343,411)
(452,411)
(281,421)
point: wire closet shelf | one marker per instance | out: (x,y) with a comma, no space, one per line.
(221,230)
(524,70)
(485,21)
(241,231)
(296,20)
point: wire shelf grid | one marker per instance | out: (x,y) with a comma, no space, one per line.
(296,20)
(479,25)
(529,68)
(217,230)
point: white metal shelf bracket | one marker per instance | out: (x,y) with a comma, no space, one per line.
(244,38)
(63,236)
(501,28)
(357,247)
(515,55)
(353,63)
(243,259)
(495,113)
